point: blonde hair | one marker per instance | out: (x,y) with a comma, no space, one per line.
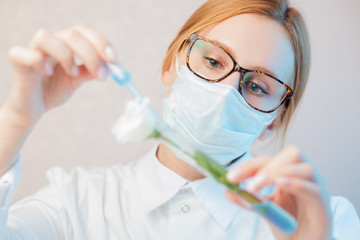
(215,11)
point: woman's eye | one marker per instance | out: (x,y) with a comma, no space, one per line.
(253,87)
(212,62)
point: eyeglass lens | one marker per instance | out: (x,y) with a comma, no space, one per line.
(212,63)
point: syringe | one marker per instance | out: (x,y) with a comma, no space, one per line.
(123,78)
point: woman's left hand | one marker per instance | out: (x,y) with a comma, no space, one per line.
(298,190)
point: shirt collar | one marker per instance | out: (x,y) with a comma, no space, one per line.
(212,195)
(157,184)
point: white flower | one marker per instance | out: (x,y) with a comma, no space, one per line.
(136,124)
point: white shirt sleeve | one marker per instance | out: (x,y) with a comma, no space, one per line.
(8,185)
(34,218)
(346,224)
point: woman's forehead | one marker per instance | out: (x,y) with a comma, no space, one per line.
(255,42)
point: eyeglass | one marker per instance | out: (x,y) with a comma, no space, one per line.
(210,61)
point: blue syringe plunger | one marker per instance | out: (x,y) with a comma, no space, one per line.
(123,78)
(119,74)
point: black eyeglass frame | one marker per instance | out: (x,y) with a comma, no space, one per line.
(194,37)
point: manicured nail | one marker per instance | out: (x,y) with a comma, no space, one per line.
(75,70)
(110,53)
(77,61)
(102,72)
(233,175)
(283,181)
(254,183)
(48,68)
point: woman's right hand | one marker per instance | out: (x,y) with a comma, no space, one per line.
(46,74)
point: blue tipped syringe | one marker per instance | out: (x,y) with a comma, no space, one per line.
(123,78)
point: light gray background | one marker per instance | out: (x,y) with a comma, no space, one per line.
(326,128)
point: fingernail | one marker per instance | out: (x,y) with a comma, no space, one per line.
(254,183)
(231,176)
(110,53)
(102,72)
(48,68)
(77,61)
(283,181)
(75,70)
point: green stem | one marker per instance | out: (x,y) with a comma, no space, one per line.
(217,171)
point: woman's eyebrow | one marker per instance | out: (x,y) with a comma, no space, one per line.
(224,46)
(264,70)
(256,67)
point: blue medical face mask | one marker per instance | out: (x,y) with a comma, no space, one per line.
(213,117)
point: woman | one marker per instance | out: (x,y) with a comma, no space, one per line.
(236,71)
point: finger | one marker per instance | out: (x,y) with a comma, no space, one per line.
(84,76)
(247,169)
(25,60)
(83,49)
(290,154)
(299,170)
(50,45)
(98,41)
(268,176)
(288,163)
(266,172)
(302,189)
(312,195)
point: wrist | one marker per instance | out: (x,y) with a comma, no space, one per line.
(13,134)
(13,119)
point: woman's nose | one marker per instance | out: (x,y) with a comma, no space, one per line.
(233,79)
